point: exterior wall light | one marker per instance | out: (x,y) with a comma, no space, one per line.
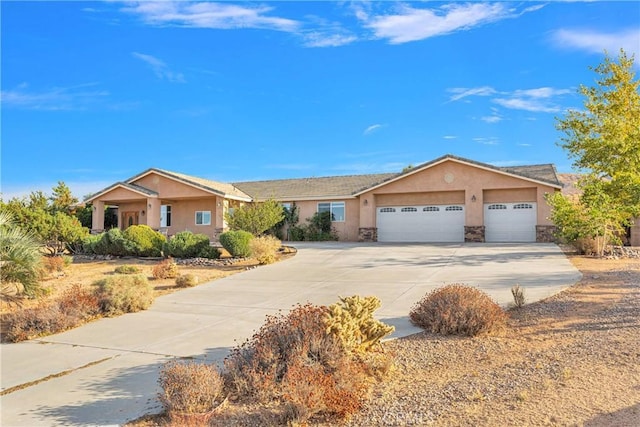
(366,202)
(473,198)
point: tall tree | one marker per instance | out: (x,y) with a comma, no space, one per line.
(603,139)
(62,199)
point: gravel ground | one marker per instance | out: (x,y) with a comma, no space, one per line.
(570,360)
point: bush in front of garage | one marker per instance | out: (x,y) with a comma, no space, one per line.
(458,309)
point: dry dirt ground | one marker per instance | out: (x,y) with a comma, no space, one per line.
(573,359)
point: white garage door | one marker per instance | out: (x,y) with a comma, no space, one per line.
(510,222)
(441,223)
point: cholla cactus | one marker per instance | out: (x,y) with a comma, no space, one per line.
(352,321)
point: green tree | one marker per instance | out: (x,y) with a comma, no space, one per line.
(20,259)
(256,218)
(603,139)
(62,199)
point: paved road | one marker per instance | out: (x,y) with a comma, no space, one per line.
(105,373)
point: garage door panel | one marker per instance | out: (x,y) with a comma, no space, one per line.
(510,222)
(444,223)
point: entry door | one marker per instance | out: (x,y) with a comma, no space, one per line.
(128,219)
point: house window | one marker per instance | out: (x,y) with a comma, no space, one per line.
(165,216)
(286,205)
(497,207)
(335,208)
(203,217)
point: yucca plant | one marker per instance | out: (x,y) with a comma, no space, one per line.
(20,259)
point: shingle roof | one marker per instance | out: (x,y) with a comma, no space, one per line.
(544,172)
(328,186)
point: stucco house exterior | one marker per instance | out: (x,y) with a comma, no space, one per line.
(449,199)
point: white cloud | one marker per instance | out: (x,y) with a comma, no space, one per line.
(462,92)
(491,119)
(492,140)
(371,129)
(210,15)
(542,99)
(55,99)
(449,137)
(322,39)
(597,42)
(411,24)
(524,145)
(160,69)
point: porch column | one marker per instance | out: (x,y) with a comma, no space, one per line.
(222,205)
(152,218)
(97,217)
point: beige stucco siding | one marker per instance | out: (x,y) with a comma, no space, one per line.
(347,230)
(635,233)
(453,179)
(424,198)
(169,188)
(183,216)
(510,195)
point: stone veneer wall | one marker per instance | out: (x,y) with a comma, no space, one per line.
(545,233)
(474,233)
(367,234)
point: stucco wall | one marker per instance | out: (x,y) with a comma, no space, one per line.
(425,198)
(347,230)
(168,188)
(635,233)
(183,216)
(458,179)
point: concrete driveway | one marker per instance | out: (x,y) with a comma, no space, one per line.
(105,373)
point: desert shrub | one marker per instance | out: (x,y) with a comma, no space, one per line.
(127,269)
(53,264)
(236,242)
(310,387)
(265,248)
(186,244)
(518,296)
(351,320)
(296,360)
(190,387)
(113,242)
(187,280)
(124,294)
(76,305)
(457,310)
(257,367)
(147,241)
(165,269)
(209,252)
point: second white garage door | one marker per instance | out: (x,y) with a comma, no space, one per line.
(510,222)
(439,223)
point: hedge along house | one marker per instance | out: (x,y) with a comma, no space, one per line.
(449,199)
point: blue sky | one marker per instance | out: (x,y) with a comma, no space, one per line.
(96,92)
